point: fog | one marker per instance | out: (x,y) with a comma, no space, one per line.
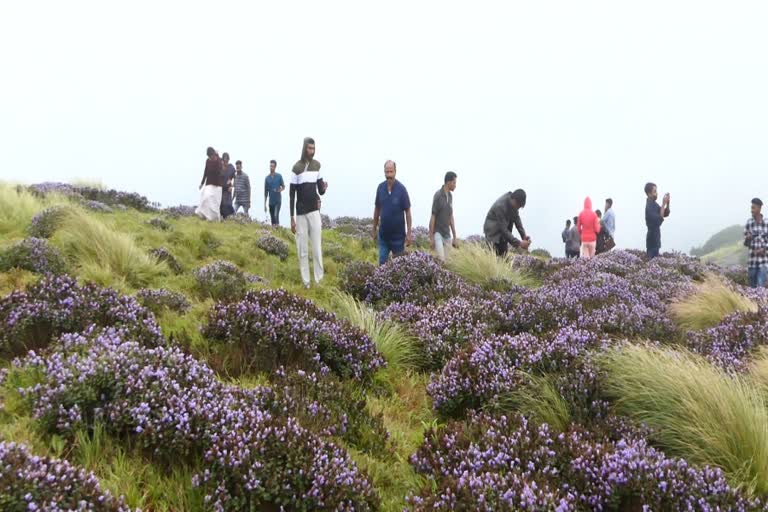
(564,99)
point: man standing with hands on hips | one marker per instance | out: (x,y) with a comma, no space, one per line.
(306,184)
(393,209)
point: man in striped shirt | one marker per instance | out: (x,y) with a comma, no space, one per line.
(306,224)
(756,239)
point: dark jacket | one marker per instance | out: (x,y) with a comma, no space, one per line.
(213,174)
(306,183)
(500,221)
(653,220)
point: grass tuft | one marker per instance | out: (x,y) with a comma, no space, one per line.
(540,401)
(707,307)
(695,410)
(478,264)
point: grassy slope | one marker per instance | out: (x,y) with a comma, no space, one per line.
(407,410)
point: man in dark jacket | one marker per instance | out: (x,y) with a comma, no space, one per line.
(654,217)
(242,187)
(306,224)
(227,209)
(503,216)
(565,235)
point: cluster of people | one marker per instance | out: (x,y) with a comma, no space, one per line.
(591,232)
(226,189)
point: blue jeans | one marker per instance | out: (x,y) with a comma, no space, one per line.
(758,277)
(396,247)
(653,252)
(274,214)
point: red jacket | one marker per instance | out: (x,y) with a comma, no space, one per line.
(589,224)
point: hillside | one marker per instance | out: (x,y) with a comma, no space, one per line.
(180,365)
(724,248)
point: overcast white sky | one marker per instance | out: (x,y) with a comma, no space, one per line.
(563,99)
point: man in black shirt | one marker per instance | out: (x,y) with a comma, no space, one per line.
(654,217)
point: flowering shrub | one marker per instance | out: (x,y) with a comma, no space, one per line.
(29,482)
(223,280)
(33,254)
(158,223)
(176,409)
(325,221)
(420,237)
(502,364)
(475,239)
(57,304)
(273,245)
(163,254)
(275,328)
(354,276)
(179,211)
(500,463)
(97,206)
(45,223)
(158,300)
(729,344)
(417,278)
(53,187)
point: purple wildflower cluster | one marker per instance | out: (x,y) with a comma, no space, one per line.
(174,407)
(729,344)
(57,304)
(503,364)
(181,210)
(274,328)
(107,197)
(500,463)
(163,254)
(223,280)
(97,206)
(29,482)
(163,299)
(45,223)
(416,278)
(159,223)
(272,245)
(33,254)
(354,276)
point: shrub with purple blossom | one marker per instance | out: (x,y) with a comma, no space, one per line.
(52,187)
(163,254)
(325,221)
(57,304)
(163,299)
(416,278)
(33,254)
(729,344)
(97,206)
(223,280)
(501,463)
(179,211)
(161,224)
(354,276)
(45,223)
(273,245)
(274,328)
(178,411)
(30,482)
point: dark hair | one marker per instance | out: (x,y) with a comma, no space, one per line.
(598,213)
(273,162)
(568,222)
(649,187)
(609,201)
(576,220)
(210,151)
(308,140)
(758,202)
(450,176)
(519,196)
(238,163)
(225,156)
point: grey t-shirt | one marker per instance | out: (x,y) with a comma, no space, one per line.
(442,209)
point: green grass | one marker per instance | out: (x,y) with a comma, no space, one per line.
(17,207)
(707,307)
(480,265)
(696,410)
(540,401)
(399,348)
(105,255)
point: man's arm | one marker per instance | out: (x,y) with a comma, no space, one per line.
(266,194)
(322,186)
(292,193)
(455,241)
(408,234)
(432,220)
(376,213)
(248,188)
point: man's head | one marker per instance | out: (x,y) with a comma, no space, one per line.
(390,170)
(309,149)
(239,166)
(650,191)
(757,206)
(225,157)
(568,223)
(599,214)
(608,204)
(272,166)
(575,220)
(518,199)
(450,180)
(210,152)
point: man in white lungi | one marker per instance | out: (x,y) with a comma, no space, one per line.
(210,186)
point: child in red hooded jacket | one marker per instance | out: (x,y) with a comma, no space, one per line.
(589,227)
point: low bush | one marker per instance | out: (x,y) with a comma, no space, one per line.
(273,245)
(33,254)
(161,224)
(354,276)
(162,299)
(223,280)
(164,255)
(480,265)
(45,223)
